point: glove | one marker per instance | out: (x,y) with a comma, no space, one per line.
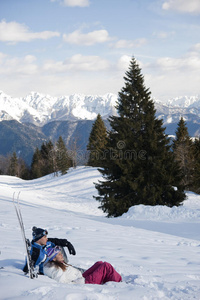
(70,248)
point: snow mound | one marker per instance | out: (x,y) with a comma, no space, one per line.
(164,213)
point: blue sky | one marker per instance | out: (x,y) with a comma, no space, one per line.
(63,47)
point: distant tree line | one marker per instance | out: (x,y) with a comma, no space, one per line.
(13,166)
(50,158)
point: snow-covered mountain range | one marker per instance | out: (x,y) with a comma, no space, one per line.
(28,122)
(41,109)
(173,109)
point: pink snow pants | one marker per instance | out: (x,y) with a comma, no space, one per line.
(100,273)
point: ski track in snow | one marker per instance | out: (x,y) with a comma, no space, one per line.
(156,249)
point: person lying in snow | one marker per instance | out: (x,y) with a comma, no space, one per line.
(40,245)
(57,269)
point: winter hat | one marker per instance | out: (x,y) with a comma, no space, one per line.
(52,252)
(38,233)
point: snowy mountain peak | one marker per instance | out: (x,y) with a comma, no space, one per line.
(40,109)
(184,101)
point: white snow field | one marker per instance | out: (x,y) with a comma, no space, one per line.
(155,249)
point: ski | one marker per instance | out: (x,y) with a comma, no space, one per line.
(27,243)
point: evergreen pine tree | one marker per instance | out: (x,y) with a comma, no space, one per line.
(182,147)
(23,169)
(195,180)
(36,165)
(97,143)
(139,167)
(48,158)
(62,159)
(13,165)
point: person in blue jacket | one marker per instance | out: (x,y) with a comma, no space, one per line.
(40,244)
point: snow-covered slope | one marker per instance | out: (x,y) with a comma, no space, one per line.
(156,249)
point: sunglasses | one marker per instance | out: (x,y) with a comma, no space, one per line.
(57,248)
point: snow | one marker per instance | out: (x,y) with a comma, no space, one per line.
(40,109)
(155,249)
(184,101)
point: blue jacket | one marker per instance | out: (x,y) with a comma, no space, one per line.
(39,253)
